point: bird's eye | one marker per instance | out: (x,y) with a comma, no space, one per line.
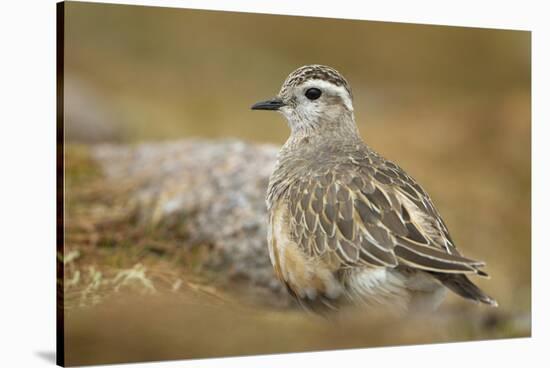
(313,93)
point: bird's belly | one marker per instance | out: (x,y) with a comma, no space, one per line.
(307,276)
(375,284)
(387,286)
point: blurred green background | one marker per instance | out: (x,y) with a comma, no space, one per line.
(451,105)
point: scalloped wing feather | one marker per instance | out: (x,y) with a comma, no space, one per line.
(371,213)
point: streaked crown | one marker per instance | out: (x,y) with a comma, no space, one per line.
(311,72)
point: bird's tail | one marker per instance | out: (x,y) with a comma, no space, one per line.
(461,285)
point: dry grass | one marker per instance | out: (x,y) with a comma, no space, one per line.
(131,329)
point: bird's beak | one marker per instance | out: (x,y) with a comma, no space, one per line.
(273,104)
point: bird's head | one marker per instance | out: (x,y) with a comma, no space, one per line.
(313,98)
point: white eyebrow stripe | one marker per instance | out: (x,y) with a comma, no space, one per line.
(333,88)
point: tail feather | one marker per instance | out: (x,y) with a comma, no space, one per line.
(461,285)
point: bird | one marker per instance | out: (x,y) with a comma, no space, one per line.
(345,225)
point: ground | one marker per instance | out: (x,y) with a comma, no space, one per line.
(136,292)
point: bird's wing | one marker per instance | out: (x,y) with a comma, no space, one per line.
(372,214)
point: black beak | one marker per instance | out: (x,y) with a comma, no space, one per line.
(274,104)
